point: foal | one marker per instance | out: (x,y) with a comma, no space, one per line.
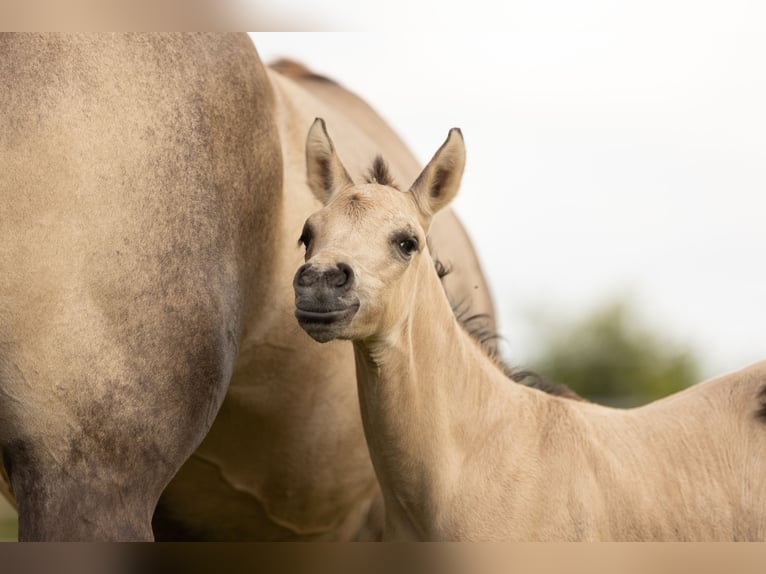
(462,452)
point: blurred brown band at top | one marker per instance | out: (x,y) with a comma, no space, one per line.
(154,15)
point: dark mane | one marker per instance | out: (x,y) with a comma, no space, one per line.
(761,412)
(441,269)
(535,381)
(478,327)
(297,71)
(379,173)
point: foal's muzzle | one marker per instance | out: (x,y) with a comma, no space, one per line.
(324,300)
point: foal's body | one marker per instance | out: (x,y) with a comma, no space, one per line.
(463,453)
(460,451)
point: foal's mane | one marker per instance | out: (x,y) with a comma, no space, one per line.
(477,326)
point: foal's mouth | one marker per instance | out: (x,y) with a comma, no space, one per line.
(325,317)
(324,325)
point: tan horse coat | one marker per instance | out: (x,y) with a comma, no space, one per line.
(463,453)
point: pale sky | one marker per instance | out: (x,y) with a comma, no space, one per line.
(610,152)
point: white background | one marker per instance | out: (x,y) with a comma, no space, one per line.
(612,152)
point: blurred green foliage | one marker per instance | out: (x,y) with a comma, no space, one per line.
(9,524)
(609,357)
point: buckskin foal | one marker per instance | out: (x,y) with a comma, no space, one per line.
(462,452)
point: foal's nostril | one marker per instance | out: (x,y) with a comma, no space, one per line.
(345,277)
(306,276)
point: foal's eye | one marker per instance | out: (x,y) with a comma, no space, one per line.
(408,245)
(305,238)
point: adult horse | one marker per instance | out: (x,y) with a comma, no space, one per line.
(152,189)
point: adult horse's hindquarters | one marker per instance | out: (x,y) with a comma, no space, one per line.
(125,220)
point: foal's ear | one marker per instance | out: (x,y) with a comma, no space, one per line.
(325,172)
(440,179)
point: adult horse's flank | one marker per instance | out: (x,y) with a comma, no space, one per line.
(461,451)
(152,188)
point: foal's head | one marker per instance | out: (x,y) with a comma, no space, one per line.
(364,247)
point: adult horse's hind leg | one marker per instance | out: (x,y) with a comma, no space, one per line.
(97,432)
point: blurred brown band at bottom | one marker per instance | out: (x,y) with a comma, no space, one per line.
(372,558)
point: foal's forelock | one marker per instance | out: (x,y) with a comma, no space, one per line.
(380,173)
(357,203)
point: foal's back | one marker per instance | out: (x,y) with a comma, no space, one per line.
(687,467)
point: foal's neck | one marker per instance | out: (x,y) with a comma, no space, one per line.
(428,396)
